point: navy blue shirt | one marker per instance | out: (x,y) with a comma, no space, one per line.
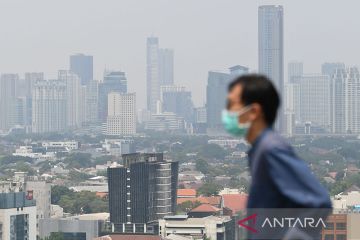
(280,179)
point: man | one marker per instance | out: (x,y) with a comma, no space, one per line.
(279,178)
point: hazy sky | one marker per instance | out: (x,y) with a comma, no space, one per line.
(39,35)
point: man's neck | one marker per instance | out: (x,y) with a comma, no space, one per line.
(255,132)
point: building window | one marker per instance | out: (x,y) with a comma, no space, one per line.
(340,236)
(329,226)
(329,237)
(340,226)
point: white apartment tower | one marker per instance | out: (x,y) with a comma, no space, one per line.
(352,100)
(75,98)
(121,119)
(49,106)
(315,99)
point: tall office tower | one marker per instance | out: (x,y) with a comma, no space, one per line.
(82,65)
(295,70)
(30,79)
(337,100)
(200,115)
(315,100)
(271,49)
(152,74)
(330,68)
(49,106)
(177,100)
(142,190)
(121,118)
(352,100)
(74,98)
(8,94)
(17,216)
(216,92)
(91,105)
(166,67)
(114,81)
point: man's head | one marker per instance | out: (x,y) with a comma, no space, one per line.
(257,100)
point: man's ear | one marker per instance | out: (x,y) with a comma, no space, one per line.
(256,111)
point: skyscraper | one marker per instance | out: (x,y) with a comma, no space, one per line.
(114,81)
(166,67)
(8,94)
(271,49)
(352,100)
(121,119)
(315,100)
(82,65)
(177,100)
(74,98)
(337,99)
(92,98)
(330,68)
(216,92)
(152,73)
(49,106)
(143,189)
(295,70)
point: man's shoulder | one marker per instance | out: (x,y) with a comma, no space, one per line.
(273,140)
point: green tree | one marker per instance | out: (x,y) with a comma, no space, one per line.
(58,191)
(209,189)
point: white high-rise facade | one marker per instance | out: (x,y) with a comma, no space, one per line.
(153,81)
(352,100)
(166,67)
(8,94)
(159,72)
(75,98)
(271,49)
(295,70)
(49,106)
(315,100)
(121,118)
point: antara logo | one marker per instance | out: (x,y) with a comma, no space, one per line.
(251,219)
(287,222)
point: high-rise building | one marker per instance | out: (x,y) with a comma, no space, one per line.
(91,101)
(82,65)
(8,94)
(336,94)
(49,106)
(337,100)
(330,68)
(121,119)
(17,216)
(352,100)
(271,49)
(166,67)
(30,79)
(114,81)
(315,100)
(216,92)
(74,98)
(142,190)
(295,70)
(177,100)
(152,74)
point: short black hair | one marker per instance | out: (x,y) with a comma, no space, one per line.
(259,89)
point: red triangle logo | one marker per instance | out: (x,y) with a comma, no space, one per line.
(251,219)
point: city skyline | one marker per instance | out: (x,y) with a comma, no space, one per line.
(127,52)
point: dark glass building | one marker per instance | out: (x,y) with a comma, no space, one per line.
(82,65)
(141,191)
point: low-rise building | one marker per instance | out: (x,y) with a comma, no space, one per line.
(213,227)
(87,226)
(347,199)
(17,216)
